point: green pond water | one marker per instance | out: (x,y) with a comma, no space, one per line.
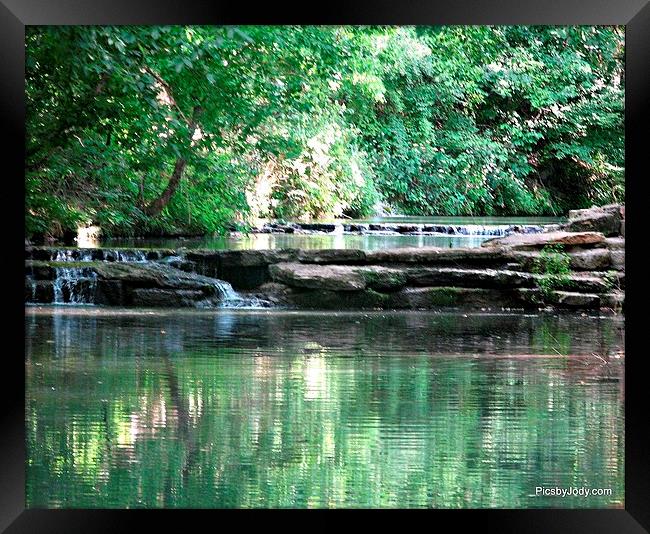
(224,408)
(455,220)
(342,241)
(302,241)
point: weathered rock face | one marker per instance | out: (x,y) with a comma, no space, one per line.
(439,256)
(614,300)
(244,269)
(385,279)
(527,241)
(330,277)
(126,284)
(608,220)
(597,259)
(479,278)
(618,259)
(593,259)
(337,256)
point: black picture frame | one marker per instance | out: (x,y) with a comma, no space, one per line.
(634,14)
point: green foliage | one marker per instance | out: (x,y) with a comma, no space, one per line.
(553,264)
(317,121)
(611,280)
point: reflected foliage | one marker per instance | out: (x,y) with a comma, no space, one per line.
(196,409)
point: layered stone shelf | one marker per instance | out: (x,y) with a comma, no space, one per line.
(503,273)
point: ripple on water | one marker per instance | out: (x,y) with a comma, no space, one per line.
(140,408)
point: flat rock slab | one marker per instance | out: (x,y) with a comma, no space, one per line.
(591,259)
(540,240)
(338,256)
(331,277)
(242,258)
(151,275)
(595,259)
(575,300)
(615,243)
(476,278)
(381,278)
(614,209)
(436,255)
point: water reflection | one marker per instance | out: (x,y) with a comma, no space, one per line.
(302,241)
(132,408)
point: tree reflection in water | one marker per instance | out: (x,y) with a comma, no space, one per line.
(278,409)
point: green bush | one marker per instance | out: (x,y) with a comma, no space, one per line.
(553,266)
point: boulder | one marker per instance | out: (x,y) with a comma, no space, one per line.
(330,277)
(605,219)
(319,227)
(356,227)
(408,228)
(528,241)
(273,292)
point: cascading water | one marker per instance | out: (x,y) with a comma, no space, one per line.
(229,298)
(74,285)
(84,255)
(78,284)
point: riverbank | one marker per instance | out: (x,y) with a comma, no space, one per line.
(581,266)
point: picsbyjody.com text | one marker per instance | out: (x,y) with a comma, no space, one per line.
(541,491)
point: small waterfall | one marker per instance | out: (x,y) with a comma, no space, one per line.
(89,254)
(133,256)
(74,285)
(231,299)
(63,255)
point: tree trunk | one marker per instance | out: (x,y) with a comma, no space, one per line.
(156,206)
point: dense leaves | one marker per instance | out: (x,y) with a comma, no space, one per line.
(187,129)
